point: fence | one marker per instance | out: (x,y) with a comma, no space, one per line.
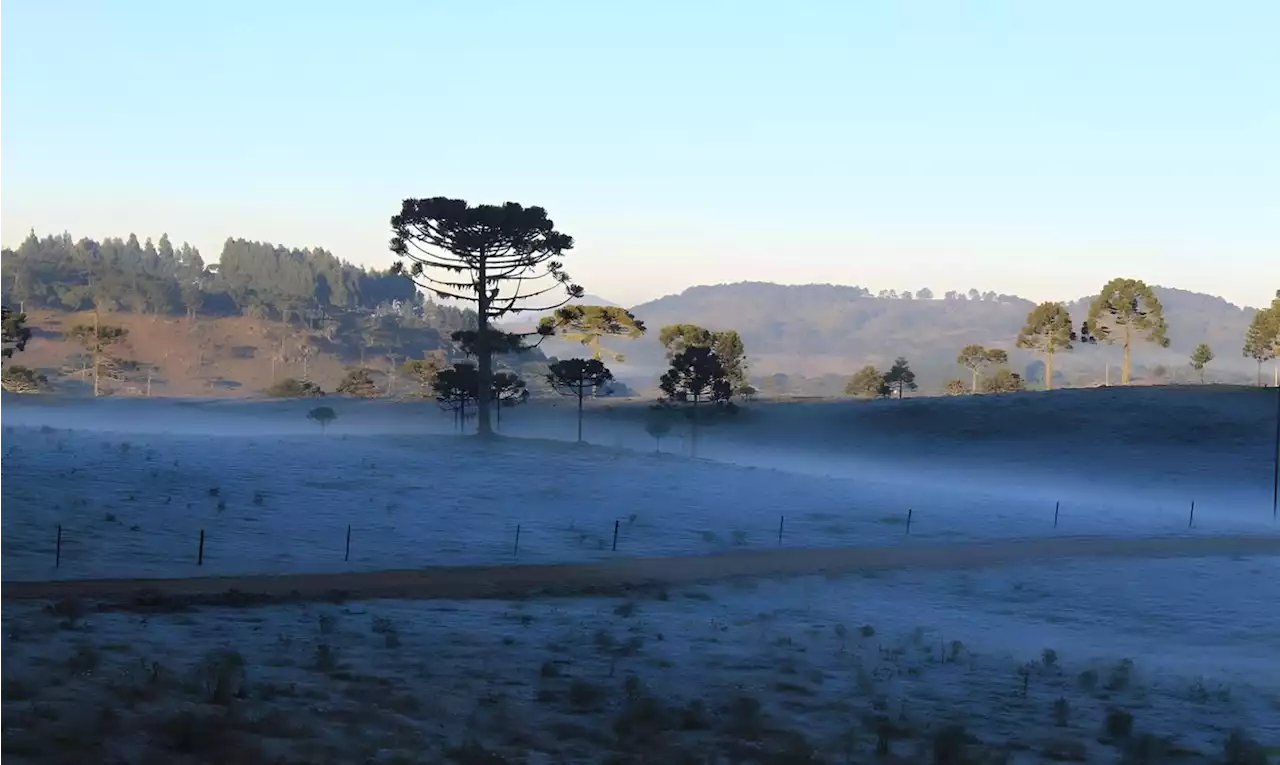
(105,550)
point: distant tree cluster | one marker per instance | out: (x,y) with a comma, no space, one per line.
(870,382)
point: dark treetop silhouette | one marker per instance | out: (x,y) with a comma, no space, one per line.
(496,257)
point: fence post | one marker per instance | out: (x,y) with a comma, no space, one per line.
(1056,505)
(57,550)
(909,512)
(516,551)
(615,535)
(1192,518)
(347,556)
(200,554)
(781,520)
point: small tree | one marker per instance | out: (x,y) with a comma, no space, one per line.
(1128,310)
(1048,330)
(358,382)
(865,383)
(292,387)
(955,387)
(900,378)
(977,359)
(98,339)
(322,415)
(1200,359)
(587,324)
(497,257)
(1262,339)
(455,388)
(1003,380)
(578,377)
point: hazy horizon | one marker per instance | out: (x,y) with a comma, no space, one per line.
(1027,150)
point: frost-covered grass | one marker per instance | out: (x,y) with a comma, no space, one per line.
(133,505)
(1016,665)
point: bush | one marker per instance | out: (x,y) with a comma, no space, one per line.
(358,382)
(292,387)
(1003,381)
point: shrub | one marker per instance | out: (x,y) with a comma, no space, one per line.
(292,387)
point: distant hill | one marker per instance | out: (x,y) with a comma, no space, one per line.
(824,329)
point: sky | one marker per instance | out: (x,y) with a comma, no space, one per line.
(1030,148)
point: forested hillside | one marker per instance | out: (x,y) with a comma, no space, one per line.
(261,313)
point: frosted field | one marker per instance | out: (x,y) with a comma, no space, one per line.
(134,482)
(808,670)
(1037,663)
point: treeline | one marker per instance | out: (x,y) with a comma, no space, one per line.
(250,278)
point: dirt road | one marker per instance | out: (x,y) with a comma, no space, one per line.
(464,582)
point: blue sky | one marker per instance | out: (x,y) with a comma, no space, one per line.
(1027,147)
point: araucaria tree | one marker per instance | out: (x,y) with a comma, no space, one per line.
(900,377)
(1047,331)
(578,378)
(587,324)
(977,359)
(504,259)
(1200,359)
(1127,310)
(1262,339)
(726,344)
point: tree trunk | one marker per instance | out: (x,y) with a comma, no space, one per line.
(95,379)
(1048,371)
(97,351)
(973,389)
(581,393)
(484,369)
(1124,361)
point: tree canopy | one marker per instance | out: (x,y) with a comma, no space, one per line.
(1127,310)
(867,382)
(1048,330)
(16,333)
(978,359)
(696,376)
(1200,358)
(587,324)
(900,378)
(726,344)
(1262,339)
